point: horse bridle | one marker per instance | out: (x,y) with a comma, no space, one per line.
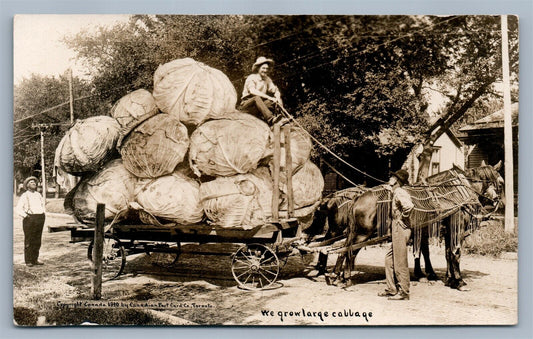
(484,191)
(496,203)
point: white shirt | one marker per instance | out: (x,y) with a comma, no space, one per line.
(255,81)
(30,203)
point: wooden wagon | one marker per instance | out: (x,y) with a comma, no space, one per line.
(255,265)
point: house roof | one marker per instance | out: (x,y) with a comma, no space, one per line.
(494,120)
(454,138)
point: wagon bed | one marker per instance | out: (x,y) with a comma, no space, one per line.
(199,233)
(255,265)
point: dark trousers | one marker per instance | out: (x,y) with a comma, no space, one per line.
(33,230)
(259,107)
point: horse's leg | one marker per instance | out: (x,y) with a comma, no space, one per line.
(456,258)
(321,222)
(322,263)
(453,258)
(350,266)
(331,279)
(347,273)
(332,220)
(424,249)
(417,243)
(418,270)
(461,284)
(351,257)
(340,259)
(448,280)
(345,257)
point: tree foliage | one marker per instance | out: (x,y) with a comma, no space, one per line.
(475,68)
(44,100)
(358,84)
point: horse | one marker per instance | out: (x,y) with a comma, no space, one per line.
(487,184)
(361,213)
(348,213)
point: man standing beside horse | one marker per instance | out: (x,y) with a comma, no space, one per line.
(396,265)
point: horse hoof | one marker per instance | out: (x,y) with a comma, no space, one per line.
(423,280)
(328,279)
(433,277)
(463,288)
(343,284)
(331,279)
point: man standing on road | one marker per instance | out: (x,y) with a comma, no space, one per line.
(396,266)
(32,210)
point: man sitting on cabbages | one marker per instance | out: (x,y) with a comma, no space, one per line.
(260,96)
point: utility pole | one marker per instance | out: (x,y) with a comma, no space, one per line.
(43,173)
(71,100)
(507,131)
(41,128)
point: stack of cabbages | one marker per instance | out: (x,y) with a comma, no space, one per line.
(183,154)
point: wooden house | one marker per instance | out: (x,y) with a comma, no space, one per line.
(484,141)
(448,151)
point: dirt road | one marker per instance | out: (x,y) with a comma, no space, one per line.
(200,289)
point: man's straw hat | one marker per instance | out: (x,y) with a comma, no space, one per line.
(27,181)
(262,60)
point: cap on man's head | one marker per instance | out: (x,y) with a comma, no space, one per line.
(262,60)
(27,181)
(402,176)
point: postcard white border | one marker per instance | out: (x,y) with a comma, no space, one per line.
(523,9)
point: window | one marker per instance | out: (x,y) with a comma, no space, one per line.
(435,161)
(435,168)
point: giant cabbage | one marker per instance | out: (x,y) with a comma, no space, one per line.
(307,186)
(155,147)
(88,145)
(240,201)
(112,186)
(173,197)
(193,91)
(132,109)
(227,146)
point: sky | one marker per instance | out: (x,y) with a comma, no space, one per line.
(37,47)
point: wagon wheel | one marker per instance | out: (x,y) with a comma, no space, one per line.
(163,255)
(113,257)
(255,267)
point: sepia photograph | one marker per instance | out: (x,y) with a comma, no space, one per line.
(265,170)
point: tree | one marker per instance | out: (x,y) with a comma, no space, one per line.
(359,84)
(45,100)
(477,67)
(124,58)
